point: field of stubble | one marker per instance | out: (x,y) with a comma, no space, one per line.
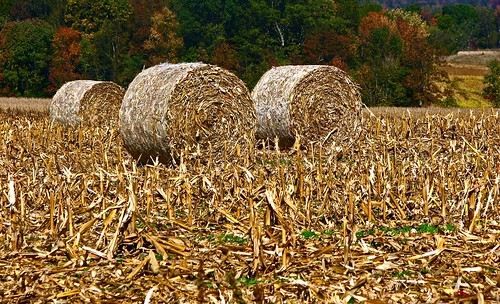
(407,214)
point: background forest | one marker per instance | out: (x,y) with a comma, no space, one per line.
(393,53)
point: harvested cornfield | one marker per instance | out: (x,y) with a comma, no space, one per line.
(408,213)
(193,109)
(318,103)
(87,102)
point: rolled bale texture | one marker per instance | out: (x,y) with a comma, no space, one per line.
(318,103)
(87,102)
(169,109)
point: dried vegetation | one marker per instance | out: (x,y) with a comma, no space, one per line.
(170,109)
(317,103)
(87,102)
(19,105)
(408,214)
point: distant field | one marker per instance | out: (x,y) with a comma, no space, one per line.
(31,104)
(466,70)
(474,58)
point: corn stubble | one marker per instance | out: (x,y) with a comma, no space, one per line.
(81,222)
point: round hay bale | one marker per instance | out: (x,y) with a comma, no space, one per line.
(199,108)
(87,102)
(318,103)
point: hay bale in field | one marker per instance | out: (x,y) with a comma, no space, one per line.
(171,108)
(318,103)
(87,102)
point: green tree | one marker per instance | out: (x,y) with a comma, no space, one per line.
(492,81)
(25,55)
(105,38)
(488,35)
(368,6)
(380,74)
(91,16)
(29,9)
(457,26)
(203,24)
(5,8)
(51,11)
(261,33)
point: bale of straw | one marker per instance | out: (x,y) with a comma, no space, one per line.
(87,102)
(193,109)
(318,103)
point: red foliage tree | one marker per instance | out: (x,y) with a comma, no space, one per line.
(140,22)
(66,46)
(374,20)
(420,56)
(329,47)
(225,56)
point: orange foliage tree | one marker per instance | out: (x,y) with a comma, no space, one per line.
(66,46)
(399,61)
(164,41)
(420,57)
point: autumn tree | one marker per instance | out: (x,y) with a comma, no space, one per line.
(226,57)
(66,48)
(380,51)
(25,57)
(163,43)
(400,61)
(139,25)
(420,57)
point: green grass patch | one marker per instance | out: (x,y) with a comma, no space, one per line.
(363,233)
(401,274)
(467,91)
(422,228)
(426,228)
(329,233)
(231,239)
(449,228)
(309,234)
(248,281)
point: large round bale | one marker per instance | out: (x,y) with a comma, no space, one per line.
(169,109)
(87,102)
(318,103)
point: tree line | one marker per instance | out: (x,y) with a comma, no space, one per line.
(393,54)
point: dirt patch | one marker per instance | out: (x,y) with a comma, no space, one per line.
(466,70)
